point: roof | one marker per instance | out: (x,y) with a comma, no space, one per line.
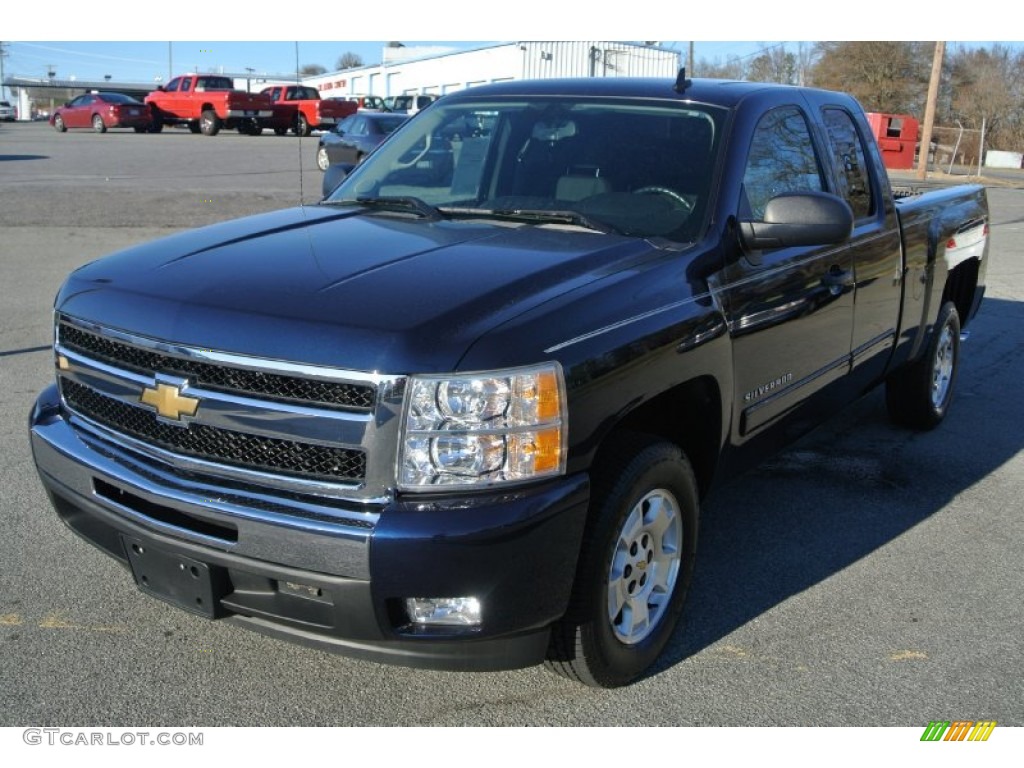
(726,93)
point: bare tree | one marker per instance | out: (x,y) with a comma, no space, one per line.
(349,60)
(311,69)
(732,69)
(774,65)
(988,84)
(885,76)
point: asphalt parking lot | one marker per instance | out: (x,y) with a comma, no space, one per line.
(869,576)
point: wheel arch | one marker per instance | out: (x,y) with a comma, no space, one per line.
(961,287)
(688,415)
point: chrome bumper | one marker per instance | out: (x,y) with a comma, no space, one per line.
(102,478)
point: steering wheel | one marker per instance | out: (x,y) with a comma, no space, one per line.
(682,202)
(419,156)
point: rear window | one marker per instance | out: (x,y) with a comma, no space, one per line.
(118,98)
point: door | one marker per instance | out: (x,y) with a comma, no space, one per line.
(875,246)
(79,114)
(790,310)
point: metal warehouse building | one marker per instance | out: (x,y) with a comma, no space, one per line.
(448,72)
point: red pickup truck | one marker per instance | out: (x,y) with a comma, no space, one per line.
(207,103)
(300,109)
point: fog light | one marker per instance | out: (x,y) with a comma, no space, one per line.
(444,611)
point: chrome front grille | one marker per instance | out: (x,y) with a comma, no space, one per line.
(290,457)
(285,427)
(263,384)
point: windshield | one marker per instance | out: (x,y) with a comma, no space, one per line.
(634,167)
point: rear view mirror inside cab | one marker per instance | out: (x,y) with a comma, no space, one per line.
(553,130)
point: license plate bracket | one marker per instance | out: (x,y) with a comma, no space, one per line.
(184,582)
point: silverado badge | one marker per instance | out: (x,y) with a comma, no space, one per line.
(169,402)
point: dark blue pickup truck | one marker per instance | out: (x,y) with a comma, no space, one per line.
(462,413)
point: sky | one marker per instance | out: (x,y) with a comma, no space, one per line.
(150,61)
(63,36)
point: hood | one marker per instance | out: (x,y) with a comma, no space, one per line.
(341,287)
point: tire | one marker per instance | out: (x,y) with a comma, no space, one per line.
(157,125)
(302,127)
(280,131)
(249,128)
(98,125)
(635,565)
(322,160)
(193,126)
(209,123)
(919,395)
(58,124)
(140,129)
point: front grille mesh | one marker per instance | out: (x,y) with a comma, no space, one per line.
(266,385)
(289,457)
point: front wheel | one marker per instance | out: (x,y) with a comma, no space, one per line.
(635,566)
(322,160)
(58,124)
(919,395)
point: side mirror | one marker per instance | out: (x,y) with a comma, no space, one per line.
(799,218)
(334,175)
(161,89)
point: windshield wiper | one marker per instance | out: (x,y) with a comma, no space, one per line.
(541,216)
(401,202)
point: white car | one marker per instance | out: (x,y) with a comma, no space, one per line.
(7,113)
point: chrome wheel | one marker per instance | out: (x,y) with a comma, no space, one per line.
(209,123)
(942,367)
(322,160)
(644,567)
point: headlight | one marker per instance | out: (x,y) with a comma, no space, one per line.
(484,428)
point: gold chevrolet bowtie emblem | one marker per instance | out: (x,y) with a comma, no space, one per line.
(169,402)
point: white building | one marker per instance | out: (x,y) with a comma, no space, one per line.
(447,72)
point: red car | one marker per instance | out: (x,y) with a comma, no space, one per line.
(101,111)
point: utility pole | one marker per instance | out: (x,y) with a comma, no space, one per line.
(689,63)
(929,111)
(3,55)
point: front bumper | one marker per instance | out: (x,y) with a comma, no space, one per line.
(304,570)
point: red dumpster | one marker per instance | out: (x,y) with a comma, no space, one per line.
(896,136)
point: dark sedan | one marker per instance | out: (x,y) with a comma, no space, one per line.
(355,137)
(101,111)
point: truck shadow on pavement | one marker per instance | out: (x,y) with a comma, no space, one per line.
(851,487)
(6,158)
